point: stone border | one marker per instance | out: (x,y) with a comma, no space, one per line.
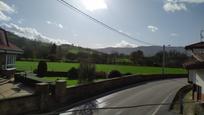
(180,95)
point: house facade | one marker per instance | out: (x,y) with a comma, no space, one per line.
(8,53)
(196,70)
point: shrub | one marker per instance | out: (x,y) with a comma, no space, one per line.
(114,73)
(72,73)
(42,68)
(86,72)
(100,75)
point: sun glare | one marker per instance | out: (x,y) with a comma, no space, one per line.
(93,5)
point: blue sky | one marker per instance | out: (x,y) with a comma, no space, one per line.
(169,22)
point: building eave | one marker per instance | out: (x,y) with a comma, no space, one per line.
(6,51)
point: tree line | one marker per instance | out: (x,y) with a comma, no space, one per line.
(36,50)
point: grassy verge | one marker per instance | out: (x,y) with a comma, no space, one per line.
(70,82)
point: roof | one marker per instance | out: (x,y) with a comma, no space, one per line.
(6,46)
(199,45)
(194,64)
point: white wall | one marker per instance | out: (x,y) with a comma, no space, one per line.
(199,78)
(192,76)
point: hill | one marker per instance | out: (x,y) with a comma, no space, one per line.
(41,49)
(147,50)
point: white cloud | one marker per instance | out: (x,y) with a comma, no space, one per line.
(152,28)
(172,6)
(126,44)
(3,17)
(31,33)
(179,5)
(55,24)
(174,34)
(4,8)
(193,1)
(60,26)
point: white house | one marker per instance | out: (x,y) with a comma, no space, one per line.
(8,53)
(196,70)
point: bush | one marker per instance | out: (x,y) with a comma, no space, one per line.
(114,74)
(42,68)
(72,73)
(86,72)
(100,75)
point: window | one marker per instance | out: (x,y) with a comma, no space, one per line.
(10,61)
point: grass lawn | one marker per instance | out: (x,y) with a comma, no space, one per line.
(57,66)
(69,82)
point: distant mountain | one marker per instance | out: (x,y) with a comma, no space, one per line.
(147,50)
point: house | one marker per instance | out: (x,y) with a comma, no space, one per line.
(196,70)
(8,53)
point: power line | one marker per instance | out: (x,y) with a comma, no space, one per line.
(102,23)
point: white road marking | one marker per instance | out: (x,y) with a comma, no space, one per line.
(157,109)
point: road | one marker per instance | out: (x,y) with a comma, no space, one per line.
(155,92)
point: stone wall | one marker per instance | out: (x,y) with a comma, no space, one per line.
(20,105)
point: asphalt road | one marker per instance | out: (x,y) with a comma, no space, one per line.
(149,93)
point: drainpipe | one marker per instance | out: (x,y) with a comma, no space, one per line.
(5,63)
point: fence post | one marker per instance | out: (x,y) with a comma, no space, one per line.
(60,90)
(42,90)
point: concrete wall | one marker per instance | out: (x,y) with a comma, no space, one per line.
(44,100)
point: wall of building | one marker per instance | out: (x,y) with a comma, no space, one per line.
(199,79)
(192,76)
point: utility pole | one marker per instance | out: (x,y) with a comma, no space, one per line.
(201,35)
(163,60)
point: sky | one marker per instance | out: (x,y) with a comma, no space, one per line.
(159,22)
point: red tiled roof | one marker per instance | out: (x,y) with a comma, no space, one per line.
(10,47)
(5,45)
(199,45)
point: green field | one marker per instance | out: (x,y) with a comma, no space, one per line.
(57,66)
(53,79)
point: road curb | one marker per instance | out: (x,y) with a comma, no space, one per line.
(179,95)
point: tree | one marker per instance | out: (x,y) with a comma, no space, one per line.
(72,73)
(71,56)
(114,73)
(86,72)
(42,68)
(136,57)
(53,52)
(172,58)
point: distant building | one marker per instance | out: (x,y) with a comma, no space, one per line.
(195,69)
(8,53)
